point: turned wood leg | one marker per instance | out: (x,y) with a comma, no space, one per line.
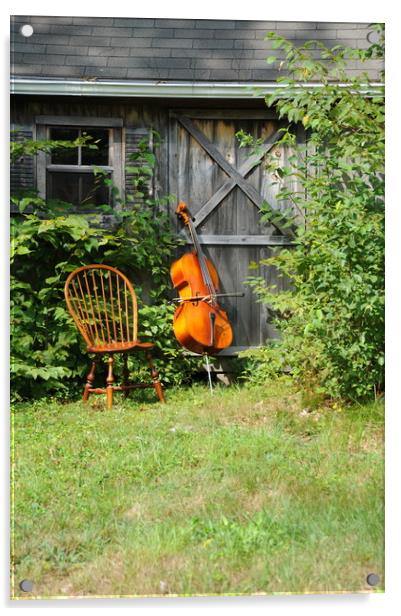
(155,378)
(110,382)
(125,374)
(89,381)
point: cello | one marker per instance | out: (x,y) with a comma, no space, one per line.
(200,324)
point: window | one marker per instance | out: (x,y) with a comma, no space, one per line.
(68,174)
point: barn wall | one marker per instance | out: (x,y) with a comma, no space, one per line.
(224,192)
(187,171)
(134,113)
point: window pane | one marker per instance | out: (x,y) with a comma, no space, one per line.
(63,186)
(64,156)
(100,156)
(81,189)
(93,191)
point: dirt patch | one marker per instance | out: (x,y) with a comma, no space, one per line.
(135,512)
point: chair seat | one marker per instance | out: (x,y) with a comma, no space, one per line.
(118,347)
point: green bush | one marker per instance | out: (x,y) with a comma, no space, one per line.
(48,241)
(332,318)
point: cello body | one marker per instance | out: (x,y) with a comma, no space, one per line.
(200,325)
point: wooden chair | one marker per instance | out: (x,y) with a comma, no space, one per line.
(103,304)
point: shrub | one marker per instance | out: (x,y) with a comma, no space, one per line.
(332,318)
(48,241)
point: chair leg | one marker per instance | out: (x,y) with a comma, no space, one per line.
(125,374)
(155,378)
(110,382)
(89,381)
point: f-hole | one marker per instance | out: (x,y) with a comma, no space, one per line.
(212,317)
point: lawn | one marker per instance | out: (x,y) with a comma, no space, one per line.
(246,491)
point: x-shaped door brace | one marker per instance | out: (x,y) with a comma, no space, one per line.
(236,177)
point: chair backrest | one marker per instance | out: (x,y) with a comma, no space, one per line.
(102,302)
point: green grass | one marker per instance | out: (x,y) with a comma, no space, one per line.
(242,491)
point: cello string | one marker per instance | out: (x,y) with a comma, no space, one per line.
(205,272)
(201,257)
(198,249)
(209,283)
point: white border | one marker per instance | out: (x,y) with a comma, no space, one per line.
(291,10)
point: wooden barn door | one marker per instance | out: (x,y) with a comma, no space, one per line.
(225,186)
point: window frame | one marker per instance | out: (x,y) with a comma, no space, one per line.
(114,125)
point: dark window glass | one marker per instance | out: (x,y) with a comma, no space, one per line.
(100,156)
(93,190)
(64,156)
(81,155)
(81,189)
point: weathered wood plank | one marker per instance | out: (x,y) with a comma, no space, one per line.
(133,137)
(51,120)
(172,184)
(244,240)
(214,201)
(225,114)
(22,175)
(249,190)
(249,318)
(248,217)
(220,160)
(75,168)
(227,187)
(203,174)
(182,169)
(223,221)
(117,157)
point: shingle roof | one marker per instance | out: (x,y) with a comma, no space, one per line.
(165,49)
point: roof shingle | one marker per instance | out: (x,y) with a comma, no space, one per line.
(167,49)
